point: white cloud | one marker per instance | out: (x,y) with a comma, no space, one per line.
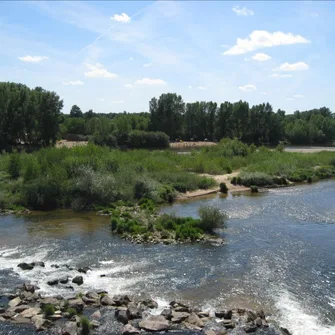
(102,99)
(32,59)
(247,88)
(289,99)
(128,85)
(147,65)
(131,58)
(117,101)
(73,83)
(202,88)
(259,39)
(123,18)
(148,81)
(299,66)
(190,86)
(278,75)
(314,15)
(260,57)
(264,93)
(98,71)
(298,96)
(244,11)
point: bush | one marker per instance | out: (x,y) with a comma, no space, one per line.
(48,309)
(85,325)
(148,139)
(211,218)
(255,178)
(254,189)
(72,312)
(14,165)
(223,188)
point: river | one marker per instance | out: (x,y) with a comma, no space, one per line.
(279,254)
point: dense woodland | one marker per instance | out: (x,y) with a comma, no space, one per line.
(35,116)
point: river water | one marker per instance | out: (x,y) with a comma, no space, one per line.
(279,254)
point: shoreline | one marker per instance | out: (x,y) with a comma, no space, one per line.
(132,315)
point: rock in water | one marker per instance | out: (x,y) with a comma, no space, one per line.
(70,328)
(178,317)
(121,315)
(130,330)
(52,282)
(154,323)
(15,302)
(84,269)
(26,266)
(78,280)
(30,312)
(133,312)
(195,320)
(41,264)
(107,301)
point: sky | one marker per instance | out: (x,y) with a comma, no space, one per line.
(115,56)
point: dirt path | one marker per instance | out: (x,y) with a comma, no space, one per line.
(223,178)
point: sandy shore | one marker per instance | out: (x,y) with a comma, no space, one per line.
(223,178)
(307,150)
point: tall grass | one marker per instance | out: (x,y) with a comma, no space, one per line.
(86,176)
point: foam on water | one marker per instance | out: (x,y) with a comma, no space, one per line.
(294,317)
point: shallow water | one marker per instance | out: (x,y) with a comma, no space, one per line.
(279,254)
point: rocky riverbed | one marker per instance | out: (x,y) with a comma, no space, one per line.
(84,313)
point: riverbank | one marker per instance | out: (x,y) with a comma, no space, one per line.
(133,315)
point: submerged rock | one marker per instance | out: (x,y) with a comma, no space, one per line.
(26,266)
(122,316)
(130,330)
(84,269)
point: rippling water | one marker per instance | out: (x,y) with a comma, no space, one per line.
(279,254)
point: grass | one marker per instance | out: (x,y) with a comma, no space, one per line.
(48,310)
(89,177)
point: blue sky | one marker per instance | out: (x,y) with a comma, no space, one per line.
(115,56)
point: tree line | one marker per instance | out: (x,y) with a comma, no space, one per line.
(34,116)
(257,124)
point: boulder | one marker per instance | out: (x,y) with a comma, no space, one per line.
(148,303)
(210,332)
(96,315)
(8,314)
(224,314)
(84,269)
(2,319)
(77,304)
(30,312)
(182,309)
(70,328)
(26,266)
(20,320)
(178,317)
(29,288)
(20,308)
(130,330)
(89,301)
(250,328)
(93,295)
(133,312)
(15,302)
(167,313)
(121,315)
(154,323)
(194,319)
(78,280)
(258,322)
(260,313)
(53,282)
(40,323)
(107,301)
(121,300)
(41,264)
(284,331)
(101,291)
(64,280)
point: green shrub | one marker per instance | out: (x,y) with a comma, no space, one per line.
(72,312)
(223,188)
(211,218)
(234,181)
(85,325)
(148,139)
(14,165)
(48,310)
(255,178)
(280,147)
(254,189)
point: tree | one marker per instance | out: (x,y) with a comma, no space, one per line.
(76,111)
